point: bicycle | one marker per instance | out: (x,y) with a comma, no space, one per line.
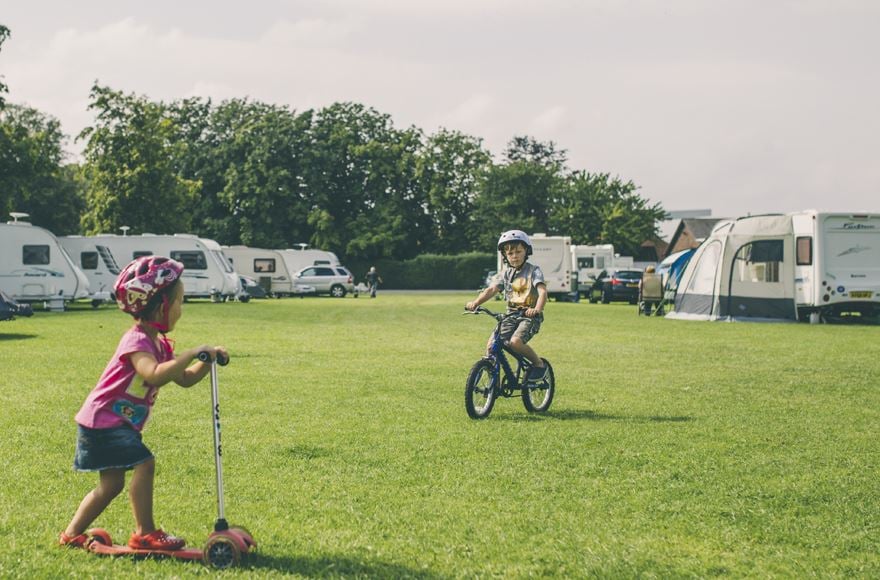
(492,376)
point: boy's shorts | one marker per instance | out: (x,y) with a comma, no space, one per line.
(521,327)
(114,448)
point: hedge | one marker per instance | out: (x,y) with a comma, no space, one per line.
(429,271)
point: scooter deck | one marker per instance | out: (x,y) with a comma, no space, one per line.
(116,550)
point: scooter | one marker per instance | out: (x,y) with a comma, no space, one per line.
(227,545)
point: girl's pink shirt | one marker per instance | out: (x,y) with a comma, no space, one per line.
(121,395)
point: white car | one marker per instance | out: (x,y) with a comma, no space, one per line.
(336,281)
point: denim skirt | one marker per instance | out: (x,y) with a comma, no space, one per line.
(115,448)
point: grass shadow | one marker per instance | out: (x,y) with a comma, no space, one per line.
(588,415)
(338,567)
(305,452)
(14,336)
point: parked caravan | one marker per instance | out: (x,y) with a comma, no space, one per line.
(553,255)
(807,265)
(207,271)
(34,266)
(590,261)
(302,257)
(267,267)
(97,263)
(837,264)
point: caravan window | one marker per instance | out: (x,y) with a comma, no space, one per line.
(191,260)
(88,260)
(759,262)
(805,251)
(703,280)
(137,254)
(264,265)
(35,255)
(585,263)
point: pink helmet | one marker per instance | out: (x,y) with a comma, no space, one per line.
(143,279)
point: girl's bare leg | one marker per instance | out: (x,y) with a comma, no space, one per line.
(110,484)
(141,494)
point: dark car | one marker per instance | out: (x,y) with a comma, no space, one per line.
(621,286)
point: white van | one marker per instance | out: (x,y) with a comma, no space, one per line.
(207,274)
(837,263)
(34,266)
(553,255)
(97,263)
(267,267)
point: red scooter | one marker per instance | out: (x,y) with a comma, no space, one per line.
(227,545)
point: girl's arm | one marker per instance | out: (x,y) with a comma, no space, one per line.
(177,370)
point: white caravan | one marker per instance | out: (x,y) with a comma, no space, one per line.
(267,267)
(34,266)
(207,274)
(303,257)
(796,266)
(97,263)
(553,255)
(590,261)
(837,263)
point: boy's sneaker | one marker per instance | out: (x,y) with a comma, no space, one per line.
(537,373)
(79,541)
(157,540)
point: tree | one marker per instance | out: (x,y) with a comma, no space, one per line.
(520,193)
(452,169)
(360,175)
(4,34)
(32,178)
(129,167)
(595,208)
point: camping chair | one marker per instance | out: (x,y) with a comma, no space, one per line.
(650,294)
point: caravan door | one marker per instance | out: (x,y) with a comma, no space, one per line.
(761,284)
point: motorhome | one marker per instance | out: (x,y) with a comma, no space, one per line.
(806,265)
(553,255)
(207,273)
(34,266)
(837,263)
(590,261)
(267,267)
(97,263)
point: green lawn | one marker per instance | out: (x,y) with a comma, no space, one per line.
(672,448)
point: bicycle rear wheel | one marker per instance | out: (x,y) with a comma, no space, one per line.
(537,398)
(479,392)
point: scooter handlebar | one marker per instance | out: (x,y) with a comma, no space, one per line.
(222,360)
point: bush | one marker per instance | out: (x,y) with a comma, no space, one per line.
(429,271)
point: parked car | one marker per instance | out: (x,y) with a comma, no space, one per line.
(621,286)
(336,281)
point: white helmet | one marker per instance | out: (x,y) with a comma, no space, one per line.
(515,236)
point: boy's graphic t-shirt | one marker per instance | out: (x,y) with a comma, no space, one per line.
(520,286)
(121,395)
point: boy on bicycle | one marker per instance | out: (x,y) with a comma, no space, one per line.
(526,294)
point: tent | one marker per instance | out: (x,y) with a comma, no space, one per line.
(744,270)
(670,271)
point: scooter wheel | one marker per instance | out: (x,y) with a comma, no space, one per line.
(100,536)
(221,553)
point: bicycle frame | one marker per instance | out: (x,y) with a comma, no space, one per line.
(512,380)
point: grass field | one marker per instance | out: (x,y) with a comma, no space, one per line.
(672,449)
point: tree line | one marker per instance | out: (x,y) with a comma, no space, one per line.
(341,178)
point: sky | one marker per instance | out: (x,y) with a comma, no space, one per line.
(739,107)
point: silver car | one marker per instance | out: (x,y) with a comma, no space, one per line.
(336,281)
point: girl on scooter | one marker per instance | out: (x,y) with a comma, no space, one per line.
(113,416)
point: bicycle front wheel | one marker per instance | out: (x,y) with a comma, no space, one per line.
(479,392)
(537,398)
